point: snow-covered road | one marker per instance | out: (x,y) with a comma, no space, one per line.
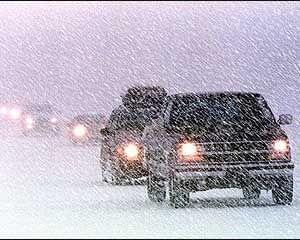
(50,188)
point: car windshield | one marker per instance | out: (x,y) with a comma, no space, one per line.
(195,111)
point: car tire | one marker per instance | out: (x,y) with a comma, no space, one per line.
(251,192)
(179,197)
(282,192)
(156,189)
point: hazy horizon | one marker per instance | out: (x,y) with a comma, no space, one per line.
(82,56)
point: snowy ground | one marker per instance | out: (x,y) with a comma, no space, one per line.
(50,188)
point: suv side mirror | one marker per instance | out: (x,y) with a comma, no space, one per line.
(285,119)
(104,131)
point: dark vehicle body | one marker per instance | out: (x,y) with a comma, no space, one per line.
(85,128)
(218,140)
(122,150)
(40,119)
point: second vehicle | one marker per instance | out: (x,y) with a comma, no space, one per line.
(122,150)
(40,119)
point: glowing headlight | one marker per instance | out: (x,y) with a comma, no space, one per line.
(131,151)
(80,130)
(53,120)
(29,120)
(29,126)
(15,113)
(281,146)
(188,149)
(189,152)
(3,110)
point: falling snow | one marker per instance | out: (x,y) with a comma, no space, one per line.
(80,58)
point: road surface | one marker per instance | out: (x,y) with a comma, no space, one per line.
(50,188)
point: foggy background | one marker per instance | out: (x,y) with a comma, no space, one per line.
(82,55)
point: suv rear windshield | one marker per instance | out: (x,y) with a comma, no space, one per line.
(228,109)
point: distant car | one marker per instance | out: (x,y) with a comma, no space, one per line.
(122,150)
(85,128)
(10,111)
(40,119)
(218,140)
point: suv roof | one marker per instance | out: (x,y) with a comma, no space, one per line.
(208,94)
(144,96)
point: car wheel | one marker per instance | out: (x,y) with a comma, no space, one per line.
(179,197)
(156,189)
(251,192)
(282,192)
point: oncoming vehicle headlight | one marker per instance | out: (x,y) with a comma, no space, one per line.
(189,152)
(79,131)
(53,120)
(15,113)
(3,110)
(29,122)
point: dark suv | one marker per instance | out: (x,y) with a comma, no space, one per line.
(122,151)
(218,140)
